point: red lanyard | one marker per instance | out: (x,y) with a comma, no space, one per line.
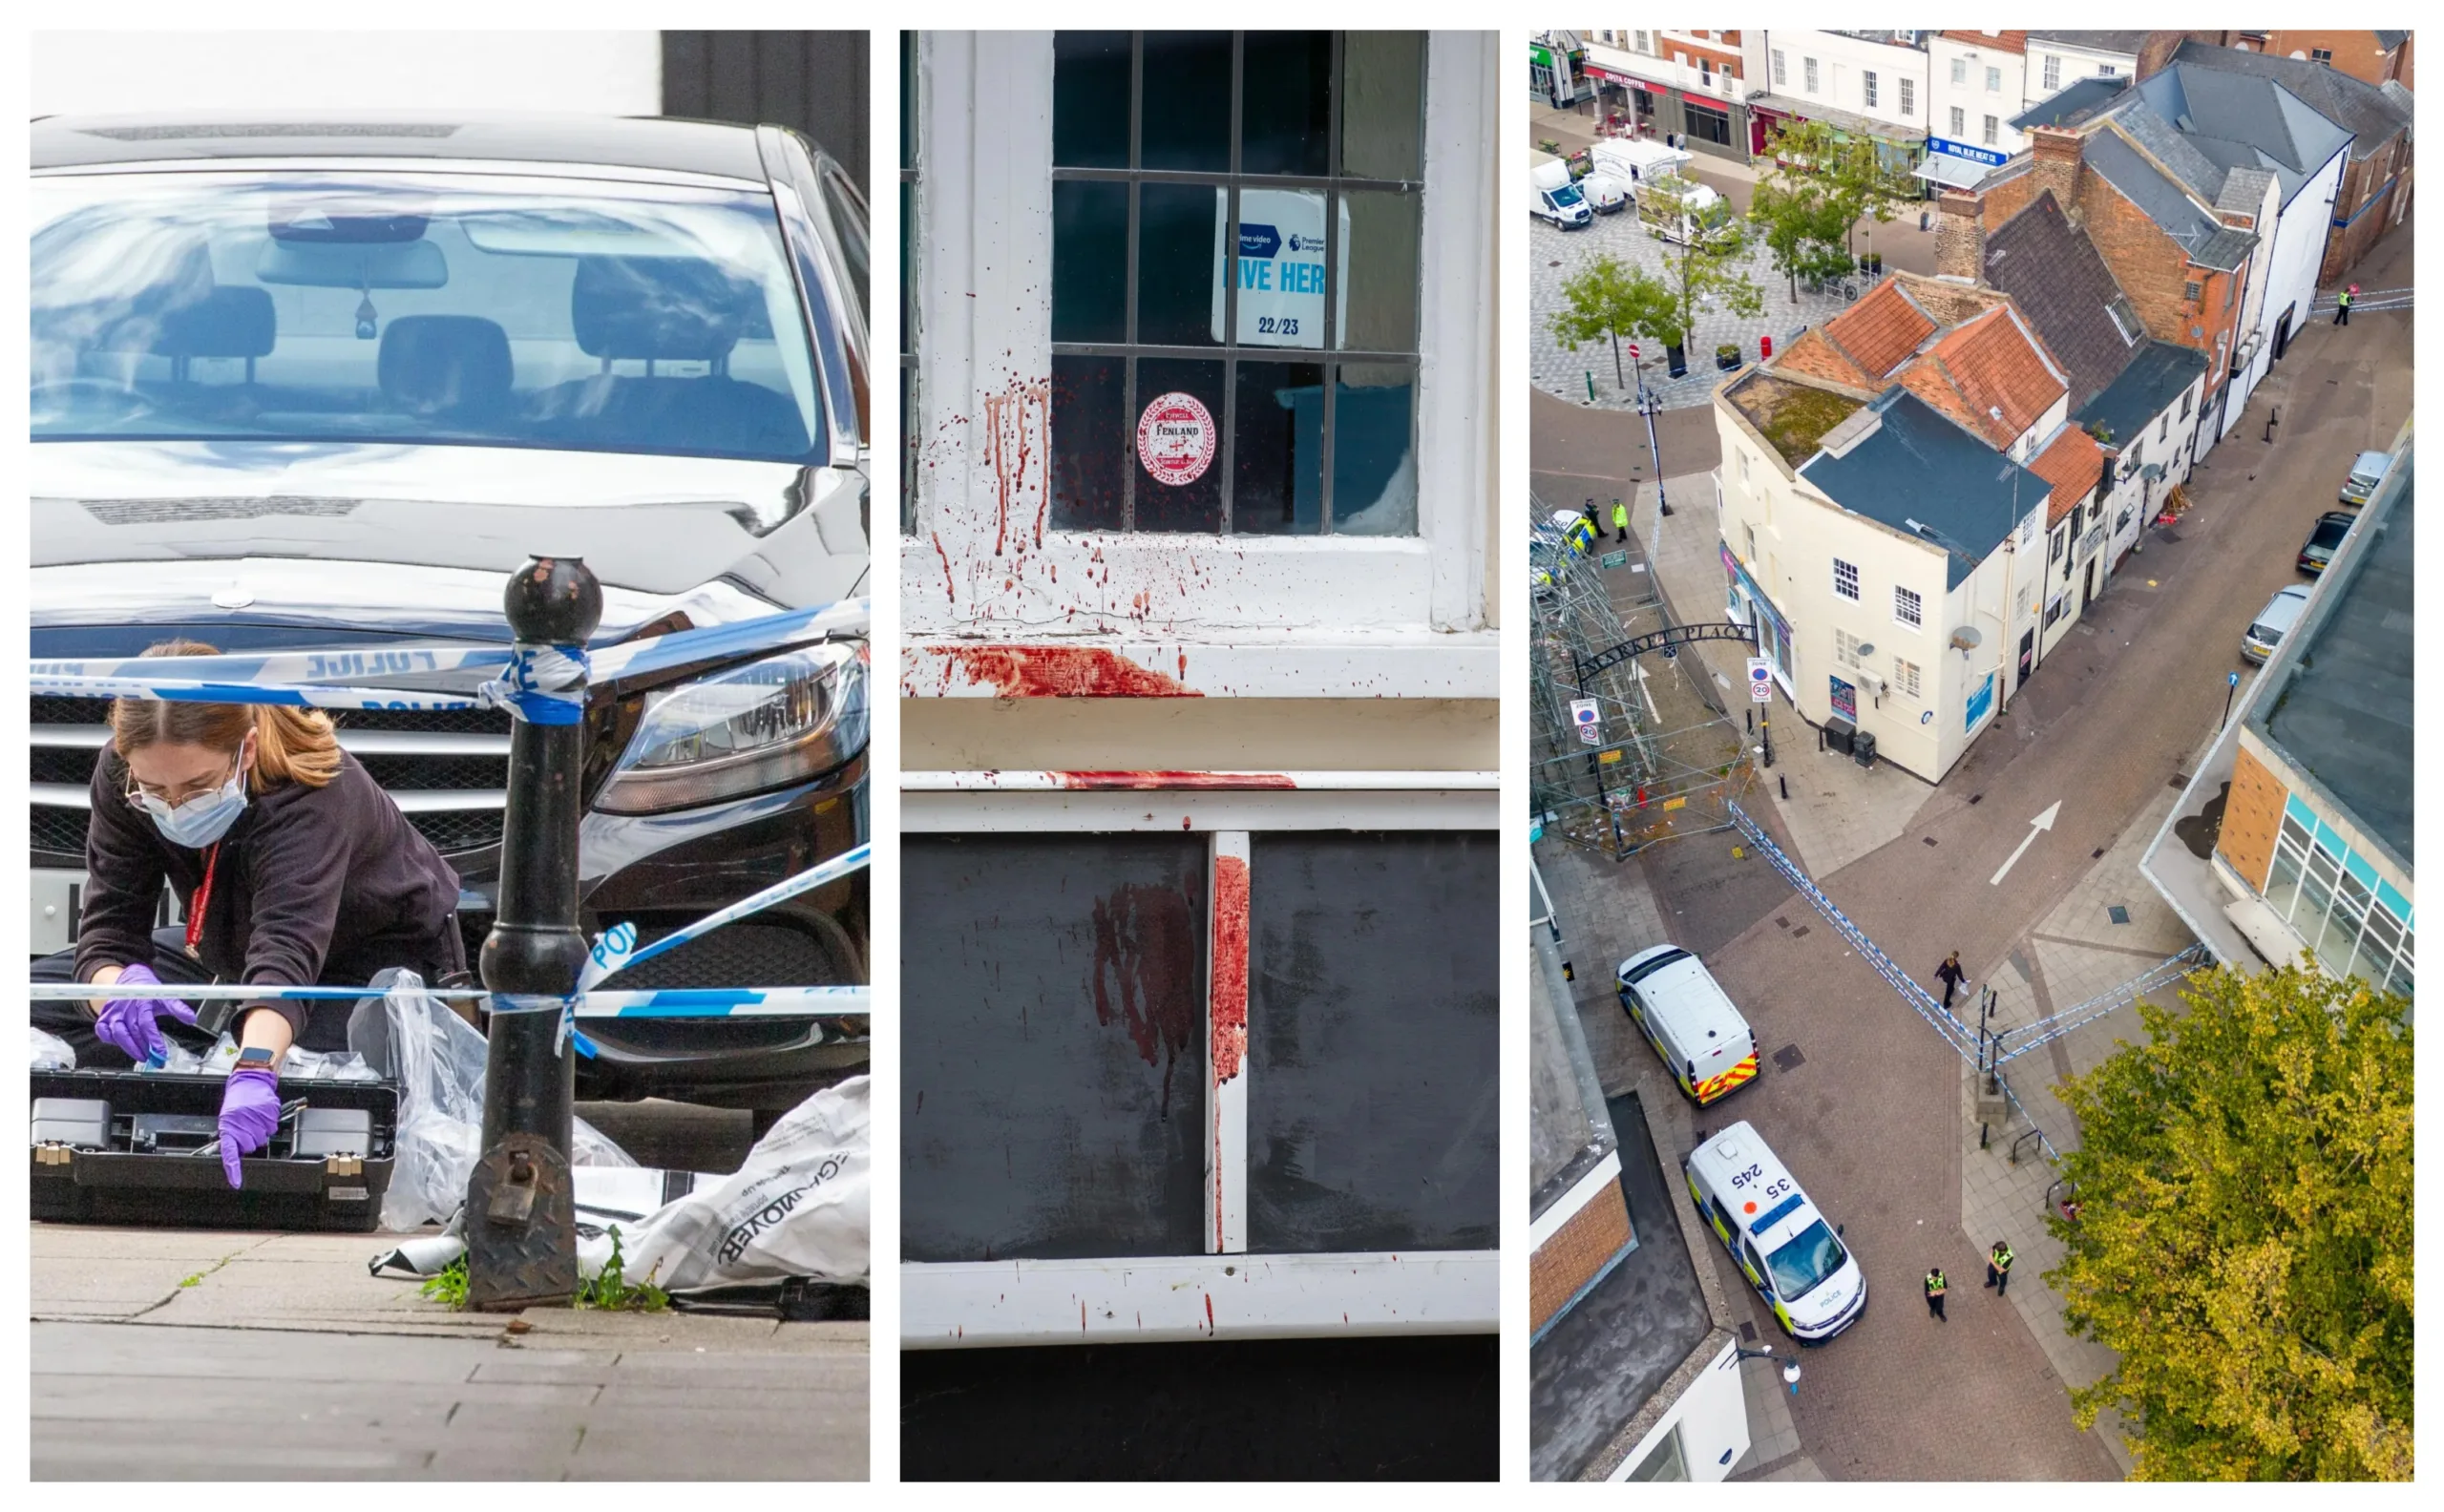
(202,896)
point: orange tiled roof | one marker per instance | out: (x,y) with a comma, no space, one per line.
(1881,330)
(2073,464)
(1816,357)
(1995,366)
(2006,41)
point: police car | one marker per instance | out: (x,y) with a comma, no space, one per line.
(1676,1004)
(1781,1244)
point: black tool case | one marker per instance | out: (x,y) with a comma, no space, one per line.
(139,1165)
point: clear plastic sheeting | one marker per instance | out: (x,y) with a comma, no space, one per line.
(437,1060)
(51,1052)
(799,1207)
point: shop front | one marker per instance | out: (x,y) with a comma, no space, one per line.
(1955,165)
(1746,604)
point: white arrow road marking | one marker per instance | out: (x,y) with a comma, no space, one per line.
(2042,821)
(1638,674)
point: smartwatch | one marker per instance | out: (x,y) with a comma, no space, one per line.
(256,1057)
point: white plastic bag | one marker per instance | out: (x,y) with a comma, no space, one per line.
(437,1058)
(52,1053)
(797,1207)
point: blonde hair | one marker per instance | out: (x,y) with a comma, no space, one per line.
(292,745)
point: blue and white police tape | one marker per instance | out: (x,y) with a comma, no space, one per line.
(617,949)
(542,685)
(421,677)
(666,1002)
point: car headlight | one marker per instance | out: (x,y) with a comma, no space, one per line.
(751,729)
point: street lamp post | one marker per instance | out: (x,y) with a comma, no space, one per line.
(1790,1366)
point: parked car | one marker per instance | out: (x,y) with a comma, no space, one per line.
(1552,197)
(2273,623)
(1675,1003)
(2325,539)
(2367,470)
(326,380)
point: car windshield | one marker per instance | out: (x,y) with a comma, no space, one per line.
(1566,194)
(2329,532)
(418,308)
(1802,1263)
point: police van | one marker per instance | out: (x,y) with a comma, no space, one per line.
(1780,1243)
(1674,1001)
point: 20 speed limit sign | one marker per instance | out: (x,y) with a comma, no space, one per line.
(1760,681)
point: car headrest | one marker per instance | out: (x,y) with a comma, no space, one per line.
(444,361)
(676,308)
(233,321)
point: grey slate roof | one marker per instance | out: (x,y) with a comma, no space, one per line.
(2235,120)
(2124,42)
(2075,103)
(2345,713)
(2390,40)
(2372,115)
(2244,191)
(2150,122)
(2062,286)
(2207,241)
(2154,377)
(1920,467)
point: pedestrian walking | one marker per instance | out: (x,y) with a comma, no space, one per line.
(1998,1267)
(1935,1293)
(1621,521)
(2342,304)
(1950,975)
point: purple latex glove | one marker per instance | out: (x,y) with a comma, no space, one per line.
(127,1024)
(249,1112)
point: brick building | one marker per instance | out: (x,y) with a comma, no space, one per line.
(1869,85)
(2372,57)
(1687,84)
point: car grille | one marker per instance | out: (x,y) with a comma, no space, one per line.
(446,768)
(750,953)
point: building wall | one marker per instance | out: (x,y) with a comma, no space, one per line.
(1975,99)
(1707,1419)
(1841,62)
(2154,271)
(2134,501)
(2076,64)
(1669,70)
(1586,1242)
(2372,199)
(2299,247)
(2252,814)
(1799,535)
(2356,53)
(592,73)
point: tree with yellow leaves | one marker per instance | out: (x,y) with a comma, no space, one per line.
(2244,1237)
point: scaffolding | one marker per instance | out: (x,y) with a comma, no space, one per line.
(1667,757)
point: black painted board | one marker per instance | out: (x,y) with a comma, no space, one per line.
(1372,1042)
(1052,1013)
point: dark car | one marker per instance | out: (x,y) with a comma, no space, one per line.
(325,381)
(2325,540)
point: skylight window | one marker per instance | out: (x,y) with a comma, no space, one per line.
(2126,320)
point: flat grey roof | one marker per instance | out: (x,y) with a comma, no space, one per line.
(2154,378)
(2073,103)
(1919,470)
(1605,1358)
(2345,716)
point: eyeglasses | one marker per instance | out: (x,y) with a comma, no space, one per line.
(186,793)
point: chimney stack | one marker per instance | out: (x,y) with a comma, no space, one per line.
(2059,166)
(1960,235)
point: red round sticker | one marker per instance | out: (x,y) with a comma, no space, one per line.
(1176,439)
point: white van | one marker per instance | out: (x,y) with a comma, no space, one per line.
(1701,213)
(1676,1004)
(1553,196)
(1606,194)
(1634,162)
(1780,1243)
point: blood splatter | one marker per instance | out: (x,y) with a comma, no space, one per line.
(1145,973)
(1230,995)
(947,586)
(1020,671)
(1157,781)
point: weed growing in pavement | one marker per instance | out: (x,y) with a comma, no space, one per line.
(448,1287)
(610,1290)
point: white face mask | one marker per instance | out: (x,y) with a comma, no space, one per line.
(202,819)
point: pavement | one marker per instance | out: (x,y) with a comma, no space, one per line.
(134,1325)
(1873,1112)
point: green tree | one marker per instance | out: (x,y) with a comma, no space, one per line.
(1604,302)
(1705,264)
(1850,173)
(1801,226)
(2244,1232)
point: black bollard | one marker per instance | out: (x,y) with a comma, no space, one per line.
(521,1216)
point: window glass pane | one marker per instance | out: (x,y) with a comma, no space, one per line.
(2283,884)
(1196,505)
(1177,253)
(1281,268)
(1089,442)
(1278,458)
(907,101)
(2316,906)
(1374,461)
(1379,272)
(1382,104)
(1090,99)
(1664,1462)
(1187,110)
(1285,114)
(1372,1042)
(1089,261)
(1052,1042)
(907,285)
